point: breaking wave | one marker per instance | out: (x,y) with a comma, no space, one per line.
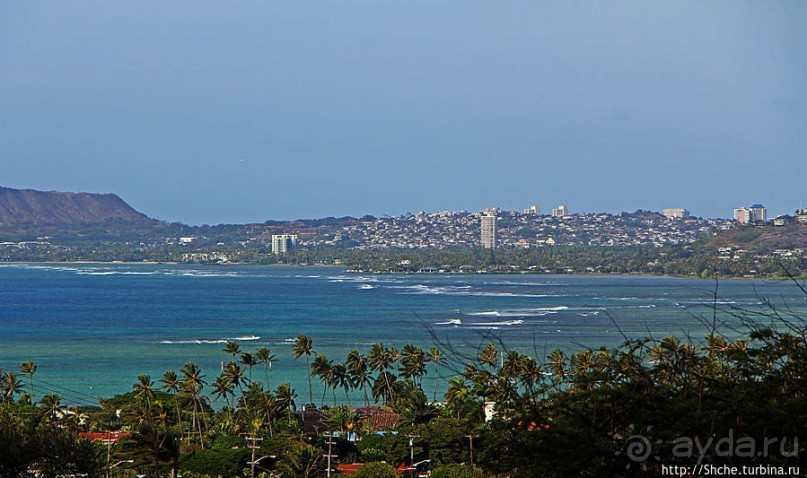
(247,338)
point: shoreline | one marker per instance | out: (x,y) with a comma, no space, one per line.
(440,273)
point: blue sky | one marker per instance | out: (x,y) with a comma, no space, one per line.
(221,112)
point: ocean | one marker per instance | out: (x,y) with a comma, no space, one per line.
(93,328)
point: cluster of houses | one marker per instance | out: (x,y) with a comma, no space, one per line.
(513,229)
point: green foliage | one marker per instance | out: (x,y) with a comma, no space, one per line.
(56,450)
(393,448)
(748,235)
(456,470)
(215,462)
(445,440)
(279,444)
(301,461)
(372,454)
(225,442)
(376,470)
(662,390)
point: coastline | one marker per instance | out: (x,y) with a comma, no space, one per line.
(348,270)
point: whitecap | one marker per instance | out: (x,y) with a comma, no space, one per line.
(503,322)
(530,312)
(246,338)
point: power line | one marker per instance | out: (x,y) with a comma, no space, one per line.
(69,390)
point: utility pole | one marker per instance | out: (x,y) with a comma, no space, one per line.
(412,449)
(471,445)
(253,444)
(108,454)
(329,436)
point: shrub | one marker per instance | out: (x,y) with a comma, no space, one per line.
(455,470)
(376,469)
(214,462)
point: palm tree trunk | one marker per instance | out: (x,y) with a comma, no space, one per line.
(179,416)
(310,387)
(198,422)
(436,376)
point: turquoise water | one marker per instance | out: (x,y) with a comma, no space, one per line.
(92,328)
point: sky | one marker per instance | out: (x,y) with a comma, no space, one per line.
(230,112)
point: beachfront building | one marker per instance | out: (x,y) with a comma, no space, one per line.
(489,229)
(282,243)
(675,213)
(560,211)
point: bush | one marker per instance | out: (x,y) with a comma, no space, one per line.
(214,462)
(455,470)
(393,448)
(372,454)
(376,469)
(225,442)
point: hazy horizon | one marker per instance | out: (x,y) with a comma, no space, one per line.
(206,113)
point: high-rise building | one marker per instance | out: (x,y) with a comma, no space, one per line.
(489,230)
(755,213)
(801,216)
(758,213)
(533,210)
(282,243)
(742,215)
(675,213)
(560,211)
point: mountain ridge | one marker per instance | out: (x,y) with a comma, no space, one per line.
(31,207)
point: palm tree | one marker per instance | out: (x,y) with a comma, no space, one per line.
(380,359)
(413,363)
(235,374)
(322,369)
(155,447)
(384,387)
(285,396)
(170,383)
(249,361)
(144,389)
(51,406)
(10,385)
(268,405)
(232,348)
(192,385)
(557,365)
(28,368)
(303,461)
(223,388)
(458,396)
(341,378)
(488,356)
(436,357)
(305,346)
(530,375)
(358,368)
(264,355)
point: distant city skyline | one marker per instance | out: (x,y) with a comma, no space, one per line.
(211,113)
